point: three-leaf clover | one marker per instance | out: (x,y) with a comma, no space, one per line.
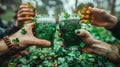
(23,31)
(16,40)
(67,15)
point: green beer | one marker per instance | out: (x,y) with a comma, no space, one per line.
(45,28)
(67,29)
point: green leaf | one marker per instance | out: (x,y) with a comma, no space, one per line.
(23,31)
(67,15)
(82,45)
(12,64)
(87,22)
(34,57)
(30,6)
(15,40)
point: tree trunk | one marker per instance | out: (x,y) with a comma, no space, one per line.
(112,5)
(76,1)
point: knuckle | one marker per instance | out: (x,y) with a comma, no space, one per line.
(103,12)
(21,6)
(18,15)
(18,18)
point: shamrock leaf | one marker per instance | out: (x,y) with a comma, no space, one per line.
(15,40)
(23,31)
(67,15)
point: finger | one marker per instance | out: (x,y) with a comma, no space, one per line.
(40,42)
(97,23)
(60,35)
(23,6)
(25,13)
(82,33)
(93,20)
(62,44)
(85,36)
(26,6)
(25,10)
(24,18)
(96,10)
(87,50)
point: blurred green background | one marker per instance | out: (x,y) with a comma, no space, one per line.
(48,7)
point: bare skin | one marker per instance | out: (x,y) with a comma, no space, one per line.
(101,18)
(25,40)
(21,15)
(98,47)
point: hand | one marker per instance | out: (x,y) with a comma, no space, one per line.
(29,39)
(22,13)
(101,18)
(98,47)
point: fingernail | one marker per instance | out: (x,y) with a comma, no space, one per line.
(77,31)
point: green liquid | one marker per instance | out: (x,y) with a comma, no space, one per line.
(67,29)
(45,30)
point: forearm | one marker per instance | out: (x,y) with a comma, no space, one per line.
(118,46)
(3,47)
(110,51)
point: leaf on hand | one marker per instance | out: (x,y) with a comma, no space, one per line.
(23,31)
(15,40)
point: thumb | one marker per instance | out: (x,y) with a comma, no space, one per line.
(85,36)
(40,42)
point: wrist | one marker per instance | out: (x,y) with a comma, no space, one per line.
(109,51)
(3,47)
(118,46)
(22,42)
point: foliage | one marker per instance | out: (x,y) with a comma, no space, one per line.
(67,30)
(59,56)
(23,31)
(16,40)
(45,29)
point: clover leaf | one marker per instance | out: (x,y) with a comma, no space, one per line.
(67,15)
(16,40)
(23,31)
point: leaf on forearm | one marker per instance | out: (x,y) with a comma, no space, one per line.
(15,40)
(23,31)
